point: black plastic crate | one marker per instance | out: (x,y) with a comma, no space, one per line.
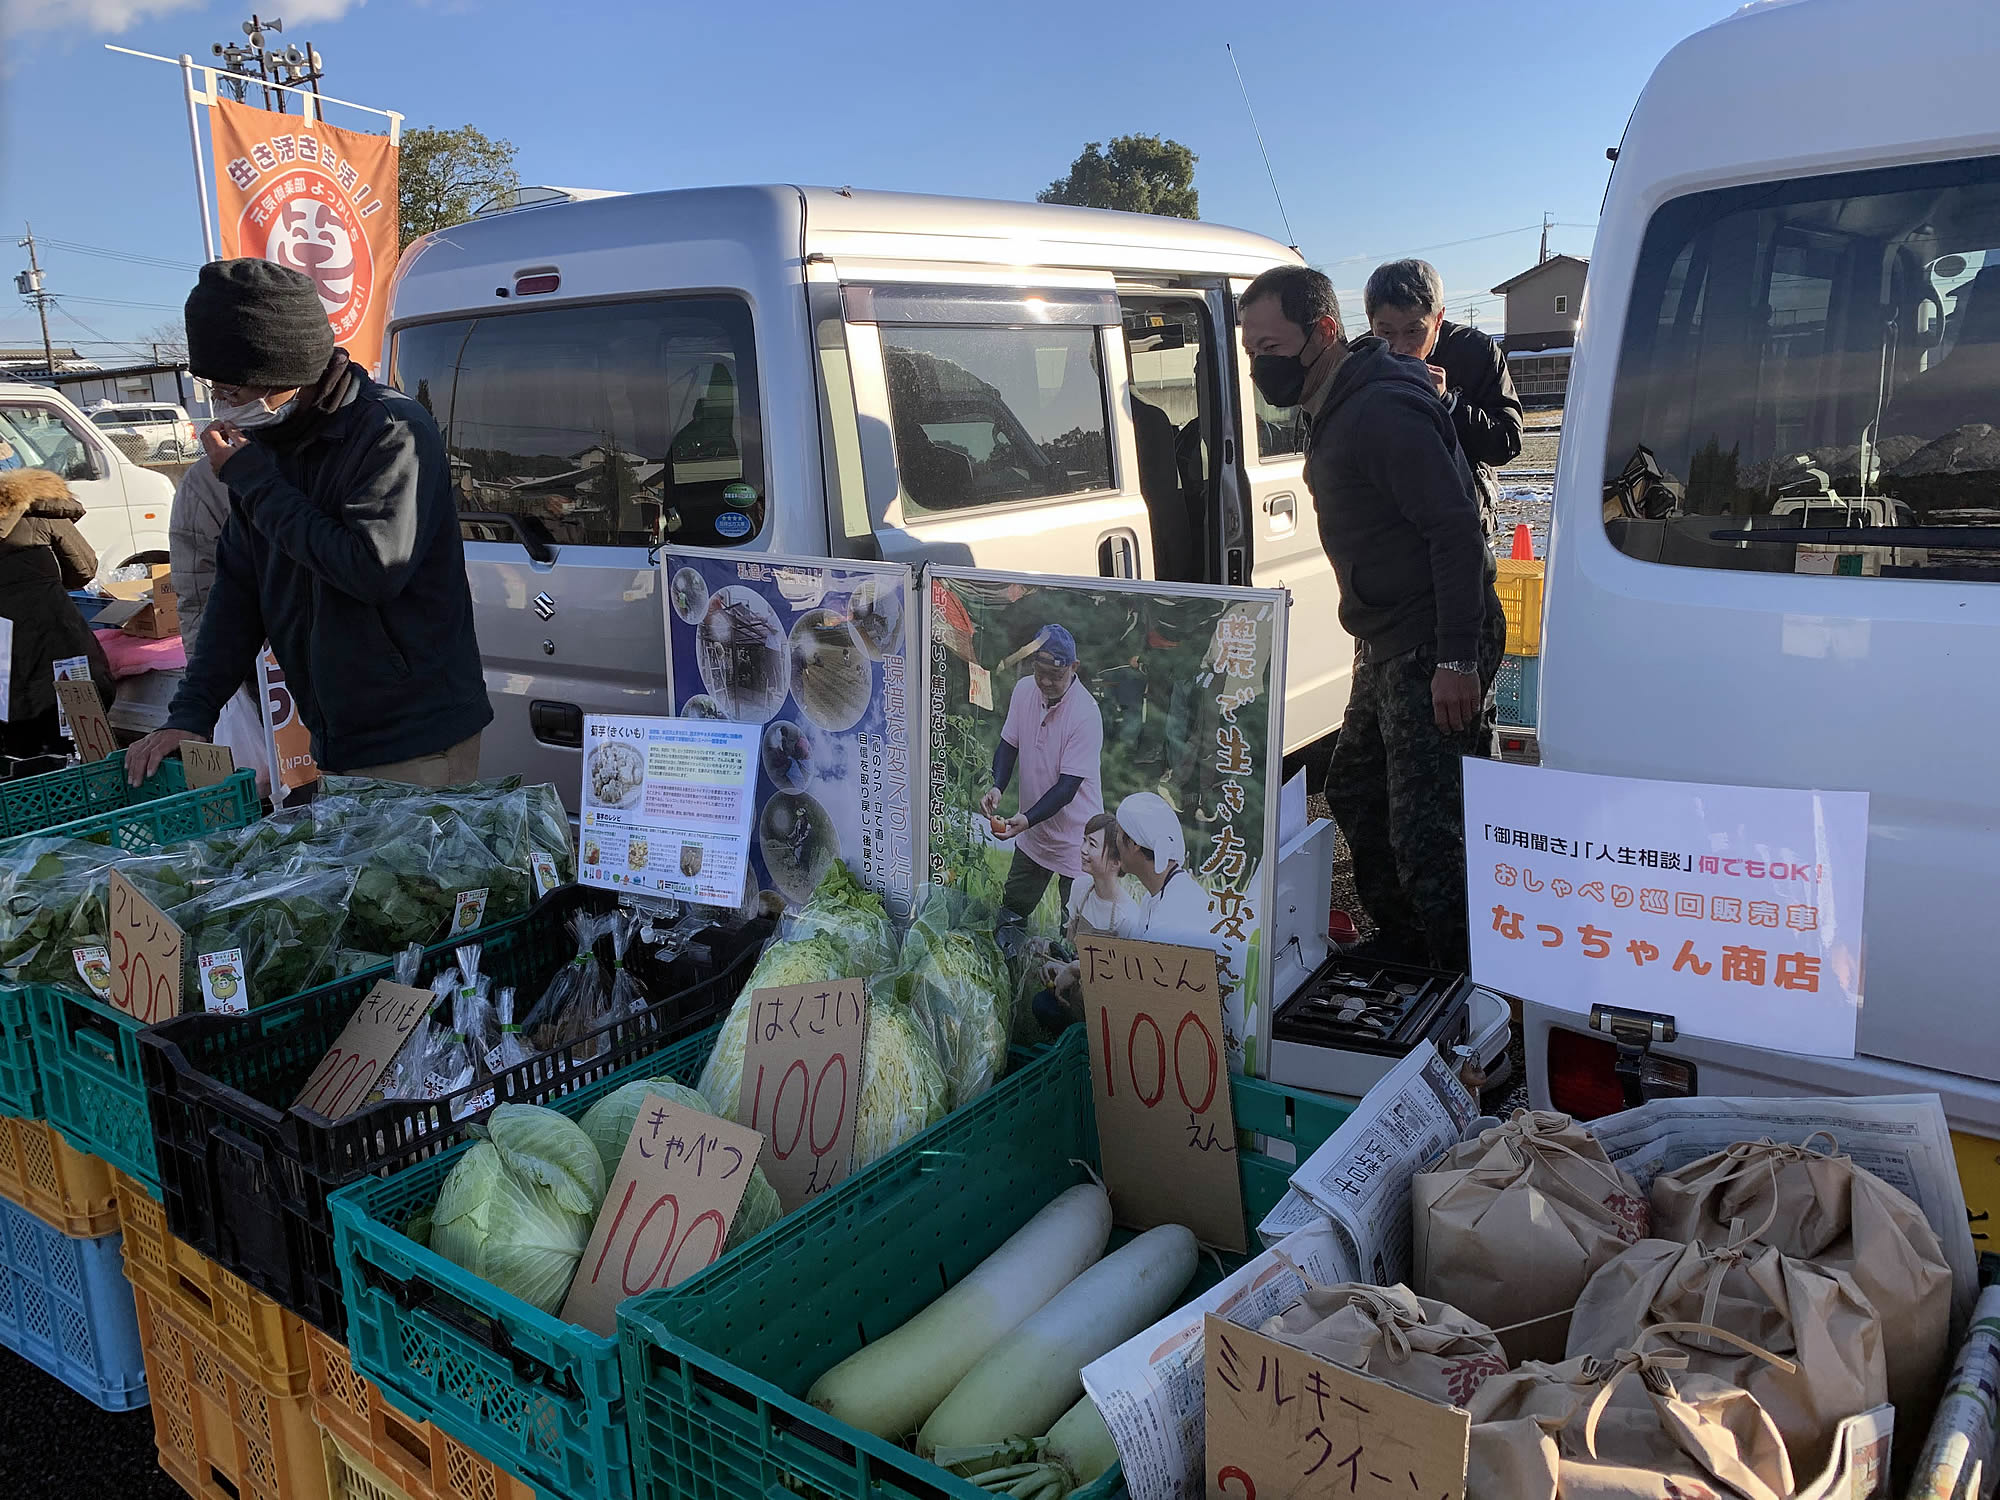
(245,1179)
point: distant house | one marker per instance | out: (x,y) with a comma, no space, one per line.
(1542,307)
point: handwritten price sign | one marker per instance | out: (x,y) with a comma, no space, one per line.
(1282,1424)
(145,955)
(801,1078)
(89,729)
(1160,1081)
(668,1210)
(205,764)
(366,1046)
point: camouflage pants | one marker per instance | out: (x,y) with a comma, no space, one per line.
(1396,787)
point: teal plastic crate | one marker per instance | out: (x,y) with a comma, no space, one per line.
(716,1369)
(537,1396)
(79,804)
(1517,692)
(66,1306)
(161,812)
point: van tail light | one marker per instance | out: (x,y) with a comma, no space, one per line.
(1585,1081)
(536,283)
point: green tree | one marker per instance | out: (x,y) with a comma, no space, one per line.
(443,175)
(1141,174)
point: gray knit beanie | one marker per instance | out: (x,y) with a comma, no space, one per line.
(254,322)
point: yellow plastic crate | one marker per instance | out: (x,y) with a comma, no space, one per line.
(247,1327)
(221,1434)
(374,1452)
(53,1180)
(1520,588)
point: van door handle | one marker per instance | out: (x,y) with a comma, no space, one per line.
(1282,508)
(559,724)
(1118,555)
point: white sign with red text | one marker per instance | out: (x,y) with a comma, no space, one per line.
(1735,910)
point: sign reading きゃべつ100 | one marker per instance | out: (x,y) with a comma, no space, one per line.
(666,807)
(1734,910)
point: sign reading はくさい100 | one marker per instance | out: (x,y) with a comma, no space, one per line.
(318,199)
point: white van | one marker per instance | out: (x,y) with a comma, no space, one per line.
(839,373)
(1795,297)
(125,507)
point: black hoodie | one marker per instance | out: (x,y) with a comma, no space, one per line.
(1398,514)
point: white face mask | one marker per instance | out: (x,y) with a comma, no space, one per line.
(254,414)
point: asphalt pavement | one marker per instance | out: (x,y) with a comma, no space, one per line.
(54,1443)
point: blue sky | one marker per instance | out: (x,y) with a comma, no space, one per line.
(1392,128)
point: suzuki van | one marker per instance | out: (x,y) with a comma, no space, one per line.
(1776,550)
(838,373)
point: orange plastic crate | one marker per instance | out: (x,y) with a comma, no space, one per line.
(59,1184)
(221,1434)
(244,1325)
(374,1450)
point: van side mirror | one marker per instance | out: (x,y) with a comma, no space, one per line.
(83,466)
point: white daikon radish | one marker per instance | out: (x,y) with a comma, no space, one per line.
(1035,1374)
(892,1385)
(1081,1443)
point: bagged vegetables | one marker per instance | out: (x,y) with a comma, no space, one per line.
(577,992)
(274,935)
(959,992)
(411,869)
(518,1208)
(845,910)
(609,1124)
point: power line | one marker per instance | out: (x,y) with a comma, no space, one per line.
(116,302)
(108,254)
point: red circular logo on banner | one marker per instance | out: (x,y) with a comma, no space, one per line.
(305,222)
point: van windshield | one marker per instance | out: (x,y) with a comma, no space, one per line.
(626,424)
(1810,379)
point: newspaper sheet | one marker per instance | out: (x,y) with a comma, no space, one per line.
(1149,1389)
(1902,1138)
(1361,1176)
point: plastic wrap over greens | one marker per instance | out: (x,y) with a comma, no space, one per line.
(903,1089)
(609,1124)
(53,896)
(959,994)
(286,926)
(844,909)
(519,1206)
(412,867)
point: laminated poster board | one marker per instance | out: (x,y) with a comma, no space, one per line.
(1173,714)
(666,807)
(820,656)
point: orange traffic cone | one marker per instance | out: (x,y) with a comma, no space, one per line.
(1524,543)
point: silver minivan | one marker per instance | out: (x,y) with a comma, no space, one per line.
(848,374)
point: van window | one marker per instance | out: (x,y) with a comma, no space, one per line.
(625,424)
(982,416)
(1280,430)
(1810,379)
(40,437)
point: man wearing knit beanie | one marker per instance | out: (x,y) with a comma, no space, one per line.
(340,546)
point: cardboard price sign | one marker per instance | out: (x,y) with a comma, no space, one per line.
(364,1049)
(667,1212)
(205,764)
(1160,1081)
(146,949)
(802,1082)
(89,729)
(1282,1424)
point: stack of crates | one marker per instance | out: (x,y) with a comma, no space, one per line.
(1518,689)
(63,1304)
(226,1367)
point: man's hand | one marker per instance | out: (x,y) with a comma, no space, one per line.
(1012,827)
(221,441)
(990,803)
(144,758)
(1455,700)
(1437,377)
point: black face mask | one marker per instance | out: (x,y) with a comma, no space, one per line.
(1280,378)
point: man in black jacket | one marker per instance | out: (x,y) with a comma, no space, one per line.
(1399,520)
(341,546)
(1405,305)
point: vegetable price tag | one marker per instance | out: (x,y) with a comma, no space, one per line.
(1160,1081)
(543,865)
(468,910)
(145,954)
(89,729)
(801,1080)
(364,1049)
(205,764)
(223,988)
(1282,1423)
(667,1212)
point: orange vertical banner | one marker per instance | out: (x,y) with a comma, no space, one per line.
(318,199)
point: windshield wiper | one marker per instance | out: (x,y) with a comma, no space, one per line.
(1963,537)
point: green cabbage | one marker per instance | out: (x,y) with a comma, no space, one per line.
(846,910)
(609,1124)
(519,1207)
(903,1090)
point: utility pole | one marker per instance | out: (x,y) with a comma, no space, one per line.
(29,285)
(1546,217)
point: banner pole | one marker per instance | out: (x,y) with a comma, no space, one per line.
(200,169)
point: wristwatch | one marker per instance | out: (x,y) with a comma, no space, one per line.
(1463,668)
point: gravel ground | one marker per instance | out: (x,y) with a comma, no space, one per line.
(55,1443)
